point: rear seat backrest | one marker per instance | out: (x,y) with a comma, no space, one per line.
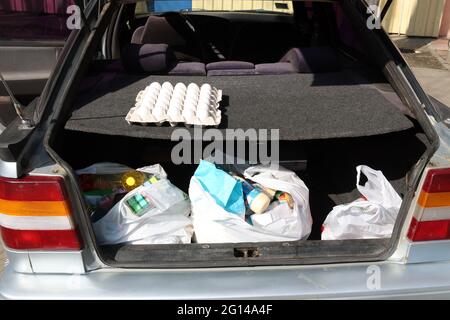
(296,60)
(153,58)
(160,59)
(158,30)
(313,59)
(137,35)
(157,58)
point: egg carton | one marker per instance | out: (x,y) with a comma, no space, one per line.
(191,105)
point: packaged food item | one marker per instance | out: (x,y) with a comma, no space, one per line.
(215,222)
(139,204)
(255,198)
(104,184)
(270,192)
(284,197)
(133,179)
(153,213)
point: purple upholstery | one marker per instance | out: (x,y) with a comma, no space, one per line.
(231,72)
(137,35)
(188,68)
(157,59)
(312,60)
(154,58)
(235,68)
(229,65)
(158,30)
(275,68)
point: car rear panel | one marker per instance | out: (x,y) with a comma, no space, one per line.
(358,281)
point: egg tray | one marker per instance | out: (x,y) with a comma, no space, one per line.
(179,104)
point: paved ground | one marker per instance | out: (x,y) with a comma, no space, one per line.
(435,82)
(430,61)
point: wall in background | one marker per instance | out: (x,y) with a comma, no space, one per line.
(414,17)
(445,25)
(240,5)
(217,5)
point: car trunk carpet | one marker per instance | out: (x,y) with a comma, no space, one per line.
(302,106)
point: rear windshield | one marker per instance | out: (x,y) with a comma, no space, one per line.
(269,6)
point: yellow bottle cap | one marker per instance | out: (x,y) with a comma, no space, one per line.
(130,181)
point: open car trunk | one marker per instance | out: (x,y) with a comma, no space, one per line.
(328,122)
(329,129)
(326,166)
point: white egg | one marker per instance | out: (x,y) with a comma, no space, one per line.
(203,105)
(176,102)
(180,87)
(205,93)
(202,114)
(167,86)
(164,105)
(191,94)
(155,86)
(206,100)
(205,87)
(150,101)
(165,94)
(188,113)
(191,106)
(142,112)
(178,96)
(151,97)
(174,114)
(191,98)
(193,87)
(159,113)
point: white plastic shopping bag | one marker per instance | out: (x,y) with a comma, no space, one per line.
(213,224)
(165,219)
(372,217)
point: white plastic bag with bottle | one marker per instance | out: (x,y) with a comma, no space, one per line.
(213,224)
(373,216)
(164,220)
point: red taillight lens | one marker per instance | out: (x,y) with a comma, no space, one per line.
(431,220)
(40,239)
(34,214)
(429,230)
(438,180)
(32,188)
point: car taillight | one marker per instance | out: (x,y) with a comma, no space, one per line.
(35,214)
(431,220)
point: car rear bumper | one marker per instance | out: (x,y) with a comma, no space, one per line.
(357,281)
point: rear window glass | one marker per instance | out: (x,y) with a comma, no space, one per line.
(144,7)
(34,20)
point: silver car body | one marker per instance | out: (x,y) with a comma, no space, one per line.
(414,270)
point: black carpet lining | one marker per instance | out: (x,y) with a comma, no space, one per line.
(301,106)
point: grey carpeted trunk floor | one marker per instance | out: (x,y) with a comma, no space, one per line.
(301,106)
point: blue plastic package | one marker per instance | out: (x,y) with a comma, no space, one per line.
(226,190)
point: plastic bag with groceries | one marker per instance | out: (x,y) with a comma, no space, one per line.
(260,204)
(373,216)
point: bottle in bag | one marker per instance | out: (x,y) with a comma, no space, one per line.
(256,199)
